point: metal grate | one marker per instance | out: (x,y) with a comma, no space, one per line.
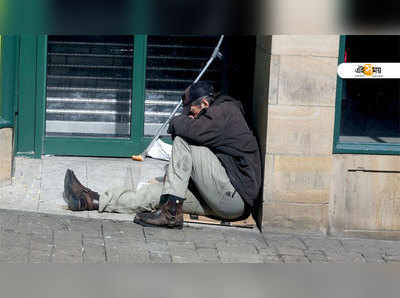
(89,86)
(173,62)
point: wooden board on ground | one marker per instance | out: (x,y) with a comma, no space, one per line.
(248,223)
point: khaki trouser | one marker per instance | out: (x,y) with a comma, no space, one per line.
(216,196)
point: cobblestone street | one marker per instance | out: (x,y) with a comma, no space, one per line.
(28,237)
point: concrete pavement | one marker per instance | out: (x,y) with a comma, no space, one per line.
(36,227)
(32,237)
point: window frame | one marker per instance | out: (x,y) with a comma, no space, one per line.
(8,62)
(348,147)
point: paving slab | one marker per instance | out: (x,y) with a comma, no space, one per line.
(37,227)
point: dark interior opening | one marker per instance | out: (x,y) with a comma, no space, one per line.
(370,107)
(174,61)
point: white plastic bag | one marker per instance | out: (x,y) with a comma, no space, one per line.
(160,150)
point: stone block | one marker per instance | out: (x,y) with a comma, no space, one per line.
(272,259)
(203,239)
(103,176)
(245,237)
(370,162)
(365,198)
(351,257)
(307,81)
(292,217)
(290,251)
(163,234)
(183,252)
(208,255)
(299,179)
(68,256)
(245,253)
(5,156)
(129,251)
(54,168)
(10,240)
(300,130)
(94,251)
(268,177)
(16,255)
(158,258)
(295,259)
(324,244)
(269,251)
(273,80)
(306,45)
(373,201)
(287,246)
(123,230)
(316,256)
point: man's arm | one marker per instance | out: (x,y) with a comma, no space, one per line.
(207,130)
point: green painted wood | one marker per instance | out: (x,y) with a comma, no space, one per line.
(138,87)
(92,147)
(27,94)
(5,123)
(367,148)
(9,59)
(97,146)
(339,95)
(16,98)
(40,94)
(25,154)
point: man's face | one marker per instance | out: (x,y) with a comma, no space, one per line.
(197,106)
(195,110)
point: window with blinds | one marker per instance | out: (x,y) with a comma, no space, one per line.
(89,86)
(173,62)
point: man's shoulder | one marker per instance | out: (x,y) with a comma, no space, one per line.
(224,98)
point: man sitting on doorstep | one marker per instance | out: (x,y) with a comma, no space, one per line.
(214,170)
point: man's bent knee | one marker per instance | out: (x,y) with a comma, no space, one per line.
(180,141)
(180,145)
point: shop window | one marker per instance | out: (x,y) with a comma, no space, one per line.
(368,110)
(89,86)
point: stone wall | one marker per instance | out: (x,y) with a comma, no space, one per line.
(298,162)
(365,197)
(307,188)
(5,156)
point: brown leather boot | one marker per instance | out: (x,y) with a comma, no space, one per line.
(77,196)
(170,215)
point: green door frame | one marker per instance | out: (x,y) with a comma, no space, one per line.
(8,62)
(31,139)
(25,104)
